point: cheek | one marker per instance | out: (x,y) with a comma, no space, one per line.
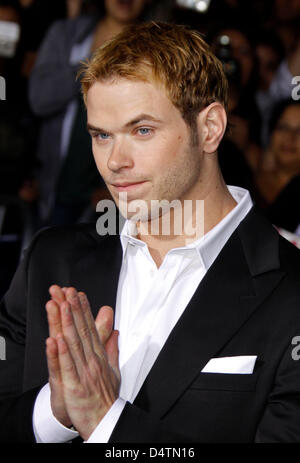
(169,152)
(99,159)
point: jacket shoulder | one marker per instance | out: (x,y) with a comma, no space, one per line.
(67,240)
(289,256)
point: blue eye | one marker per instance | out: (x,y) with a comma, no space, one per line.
(103,136)
(144,131)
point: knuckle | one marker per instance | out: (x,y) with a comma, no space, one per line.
(84,332)
(55,383)
(77,391)
(75,345)
(69,368)
(95,367)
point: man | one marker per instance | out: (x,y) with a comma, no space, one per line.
(196,339)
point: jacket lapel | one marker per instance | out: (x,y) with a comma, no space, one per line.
(244,273)
(96,269)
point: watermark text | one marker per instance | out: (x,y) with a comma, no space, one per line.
(2,88)
(296,89)
(2,348)
(153,217)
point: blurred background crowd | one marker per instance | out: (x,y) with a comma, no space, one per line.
(47,172)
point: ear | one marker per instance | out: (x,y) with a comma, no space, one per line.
(212,122)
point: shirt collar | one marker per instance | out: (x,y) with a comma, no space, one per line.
(209,245)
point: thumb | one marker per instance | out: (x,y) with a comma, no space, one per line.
(104,323)
(112,351)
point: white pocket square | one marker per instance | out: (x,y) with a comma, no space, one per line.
(242,364)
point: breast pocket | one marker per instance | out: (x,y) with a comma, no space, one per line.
(227,381)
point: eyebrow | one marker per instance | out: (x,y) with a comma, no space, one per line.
(136,120)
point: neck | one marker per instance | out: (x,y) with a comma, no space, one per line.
(194,218)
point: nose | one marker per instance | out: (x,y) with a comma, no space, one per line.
(120,156)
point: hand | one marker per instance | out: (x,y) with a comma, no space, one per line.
(89,372)
(55,380)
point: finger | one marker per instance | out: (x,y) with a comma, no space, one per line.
(54,318)
(112,350)
(80,321)
(97,344)
(71,336)
(57,293)
(104,323)
(68,369)
(52,360)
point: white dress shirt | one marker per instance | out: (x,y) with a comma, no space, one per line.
(149,303)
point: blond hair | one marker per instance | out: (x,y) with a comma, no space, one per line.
(169,54)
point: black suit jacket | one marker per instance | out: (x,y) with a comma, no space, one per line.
(248,303)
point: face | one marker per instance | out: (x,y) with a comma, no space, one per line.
(242,52)
(124,11)
(285,140)
(140,138)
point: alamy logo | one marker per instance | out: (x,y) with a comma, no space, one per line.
(296,89)
(296,350)
(2,348)
(2,88)
(166,217)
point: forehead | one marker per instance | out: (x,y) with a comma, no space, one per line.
(120,99)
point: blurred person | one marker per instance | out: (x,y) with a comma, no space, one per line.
(269,52)
(274,77)
(285,20)
(185,350)
(17,136)
(244,116)
(68,179)
(253,94)
(278,179)
(9,14)
(36,17)
(16,124)
(242,51)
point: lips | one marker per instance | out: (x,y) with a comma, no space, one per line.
(126,186)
